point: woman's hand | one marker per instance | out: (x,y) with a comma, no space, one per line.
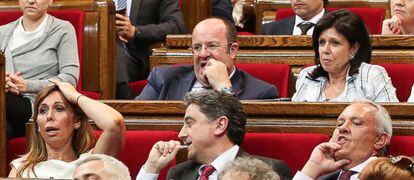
(15,83)
(68,91)
(391,26)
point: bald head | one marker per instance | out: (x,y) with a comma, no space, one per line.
(217,24)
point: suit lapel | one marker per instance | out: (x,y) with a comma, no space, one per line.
(135,8)
(237,82)
(291,25)
(181,85)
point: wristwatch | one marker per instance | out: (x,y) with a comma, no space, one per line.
(228,90)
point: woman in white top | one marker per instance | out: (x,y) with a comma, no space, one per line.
(402,21)
(62,133)
(38,47)
(342,73)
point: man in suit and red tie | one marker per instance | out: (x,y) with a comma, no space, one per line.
(308,13)
(363,133)
(214,128)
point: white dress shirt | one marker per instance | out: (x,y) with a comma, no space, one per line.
(219,163)
(411,98)
(314,20)
(358,168)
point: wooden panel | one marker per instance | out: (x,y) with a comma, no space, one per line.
(194,11)
(262,116)
(99,42)
(3,138)
(263,6)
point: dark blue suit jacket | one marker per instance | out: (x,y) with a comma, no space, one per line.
(280,27)
(172,82)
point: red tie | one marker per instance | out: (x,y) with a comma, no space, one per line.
(206,172)
(346,175)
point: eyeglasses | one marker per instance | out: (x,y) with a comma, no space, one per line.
(210,47)
(403,162)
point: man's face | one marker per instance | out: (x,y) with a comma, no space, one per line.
(91,170)
(198,133)
(307,9)
(209,37)
(357,134)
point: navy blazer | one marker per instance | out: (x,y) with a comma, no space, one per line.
(189,170)
(280,27)
(173,82)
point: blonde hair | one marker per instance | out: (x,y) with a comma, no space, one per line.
(82,138)
(400,167)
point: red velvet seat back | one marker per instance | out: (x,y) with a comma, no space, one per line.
(138,145)
(76,18)
(275,74)
(402,77)
(401,145)
(372,17)
(293,148)
(14,148)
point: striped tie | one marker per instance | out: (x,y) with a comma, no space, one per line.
(120,4)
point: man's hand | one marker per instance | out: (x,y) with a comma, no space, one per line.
(124,28)
(391,26)
(15,83)
(217,75)
(322,160)
(161,154)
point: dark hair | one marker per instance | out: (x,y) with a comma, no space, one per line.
(214,104)
(325,2)
(353,29)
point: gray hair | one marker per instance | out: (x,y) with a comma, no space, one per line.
(254,168)
(115,168)
(383,121)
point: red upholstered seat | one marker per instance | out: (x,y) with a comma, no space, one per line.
(14,148)
(76,18)
(401,145)
(276,74)
(244,33)
(293,148)
(402,77)
(372,17)
(138,145)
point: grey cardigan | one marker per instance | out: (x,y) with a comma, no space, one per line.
(54,55)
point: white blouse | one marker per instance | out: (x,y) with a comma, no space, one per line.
(50,169)
(371,82)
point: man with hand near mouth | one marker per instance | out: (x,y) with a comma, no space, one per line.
(214,128)
(308,13)
(214,48)
(363,133)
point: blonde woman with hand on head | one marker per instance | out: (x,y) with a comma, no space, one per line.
(62,133)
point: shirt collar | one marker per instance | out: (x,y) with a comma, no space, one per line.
(221,161)
(314,20)
(358,168)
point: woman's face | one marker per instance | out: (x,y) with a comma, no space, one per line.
(56,120)
(404,10)
(334,51)
(34,9)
